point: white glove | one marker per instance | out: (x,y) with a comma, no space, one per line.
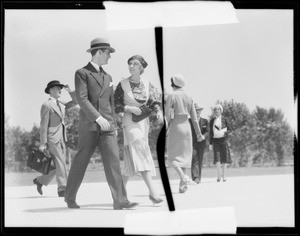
(135,110)
(200,138)
(104,124)
(42,147)
(159,117)
(210,147)
(67,88)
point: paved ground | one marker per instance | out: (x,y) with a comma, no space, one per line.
(266,201)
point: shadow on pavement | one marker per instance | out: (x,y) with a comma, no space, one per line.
(82,207)
(32,197)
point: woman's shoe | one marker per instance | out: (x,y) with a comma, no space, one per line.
(224,180)
(183,184)
(155,200)
(182,189)
(218,180)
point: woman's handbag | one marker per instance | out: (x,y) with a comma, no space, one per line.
(145,113)
(39,161)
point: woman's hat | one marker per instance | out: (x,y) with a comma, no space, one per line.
(220,107)
(140,59)
(197,107)
(178,80)
(53,83)
(98,43)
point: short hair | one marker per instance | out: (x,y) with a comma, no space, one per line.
(93,52)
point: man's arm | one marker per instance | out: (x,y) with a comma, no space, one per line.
(85,104)
(74,101)
(45,114)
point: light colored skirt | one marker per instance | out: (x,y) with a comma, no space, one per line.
(180,142)
(137,154)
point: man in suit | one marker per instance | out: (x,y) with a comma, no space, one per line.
(199,147)
(94,92)
(53,135)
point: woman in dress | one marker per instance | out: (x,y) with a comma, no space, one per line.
(179,109)
(219,129)
(131,93)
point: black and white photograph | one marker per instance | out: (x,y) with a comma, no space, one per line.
(87,96)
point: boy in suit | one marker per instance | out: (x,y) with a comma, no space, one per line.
(199,147)
(53,135)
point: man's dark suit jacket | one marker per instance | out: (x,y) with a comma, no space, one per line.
(94,92)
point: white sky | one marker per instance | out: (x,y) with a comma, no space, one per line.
(250,62)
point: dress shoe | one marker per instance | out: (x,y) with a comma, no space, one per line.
(38,186)
(224,180)
(126,205)
(197,180)
(218,180)
(155,200)
(61,193)
(72,204)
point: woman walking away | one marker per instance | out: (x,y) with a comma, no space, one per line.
(179,109)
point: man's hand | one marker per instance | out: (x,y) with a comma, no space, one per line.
(159,117)
(200,138)
(67,88)
(104,124)
(210,147)
(135,110)
(42,147)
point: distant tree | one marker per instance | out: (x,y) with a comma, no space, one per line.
(71,122)
(8,145)
(274,135)
(35,137)
(120,136)
(19,142)
(154,132)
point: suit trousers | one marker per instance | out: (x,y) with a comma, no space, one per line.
(197,159)
(108,146)
(57,152)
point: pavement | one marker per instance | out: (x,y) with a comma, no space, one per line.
(258,201)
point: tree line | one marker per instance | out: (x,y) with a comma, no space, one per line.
(261,137)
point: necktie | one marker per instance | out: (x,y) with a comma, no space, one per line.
(57,103)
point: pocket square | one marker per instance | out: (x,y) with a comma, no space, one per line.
(217,127)
(111,84)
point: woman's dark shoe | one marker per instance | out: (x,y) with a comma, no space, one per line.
(197,180)
(155,200)
(218,180)
(72,204)
(224,180)
(38,186)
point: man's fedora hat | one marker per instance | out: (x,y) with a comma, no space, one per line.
(52,84)
(99,43)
